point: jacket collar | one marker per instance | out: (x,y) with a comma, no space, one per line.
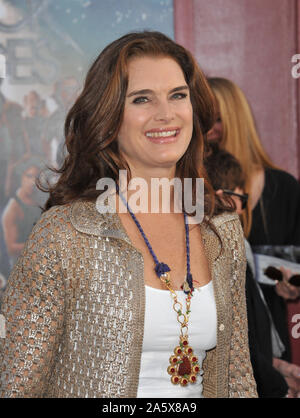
(86,218)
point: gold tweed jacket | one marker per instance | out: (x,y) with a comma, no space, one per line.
(75,302)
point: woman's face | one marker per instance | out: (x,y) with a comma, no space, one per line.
(28,179)
(216,132)
(158,116)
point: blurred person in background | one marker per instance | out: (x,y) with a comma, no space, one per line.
(274,194)
(22,210)
(272,216)
(64,95)
(23,128)
(274,376)
(34,119)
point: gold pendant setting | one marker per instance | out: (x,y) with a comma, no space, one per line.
(184,365)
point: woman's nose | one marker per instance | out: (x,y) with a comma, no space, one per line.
(211,131)
(164,111)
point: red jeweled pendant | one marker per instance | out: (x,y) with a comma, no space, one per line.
(184,365)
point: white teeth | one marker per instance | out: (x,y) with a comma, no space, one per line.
(161,134)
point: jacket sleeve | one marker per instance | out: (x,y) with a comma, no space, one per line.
(33,310)
(241,380)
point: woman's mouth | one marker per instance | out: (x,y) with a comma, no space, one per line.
(162,136)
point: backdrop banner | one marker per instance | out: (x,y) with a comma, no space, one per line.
(46,48)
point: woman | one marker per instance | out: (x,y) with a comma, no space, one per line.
(102,322)
(22,210)
(275,378)
(273,214)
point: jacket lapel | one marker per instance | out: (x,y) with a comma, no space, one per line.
(86,218)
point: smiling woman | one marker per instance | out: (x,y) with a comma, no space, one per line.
(110,95)
(158,120)
(130,304)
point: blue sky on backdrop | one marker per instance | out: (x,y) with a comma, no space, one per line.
(87,26)
(62,38)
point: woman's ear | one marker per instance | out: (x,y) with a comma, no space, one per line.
(219,192)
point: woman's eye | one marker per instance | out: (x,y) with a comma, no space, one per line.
(179,96)
(142,99)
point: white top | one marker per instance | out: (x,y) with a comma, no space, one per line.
(161,336)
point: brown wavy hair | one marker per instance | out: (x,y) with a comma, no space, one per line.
(93,123)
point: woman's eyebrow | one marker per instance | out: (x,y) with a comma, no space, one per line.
(179,88)
(138,92)
(148,91)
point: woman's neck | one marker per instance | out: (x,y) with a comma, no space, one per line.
(256,186)
(152,191)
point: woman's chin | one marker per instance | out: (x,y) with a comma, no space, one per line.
(167,162)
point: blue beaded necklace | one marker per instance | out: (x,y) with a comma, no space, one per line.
(184,365)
